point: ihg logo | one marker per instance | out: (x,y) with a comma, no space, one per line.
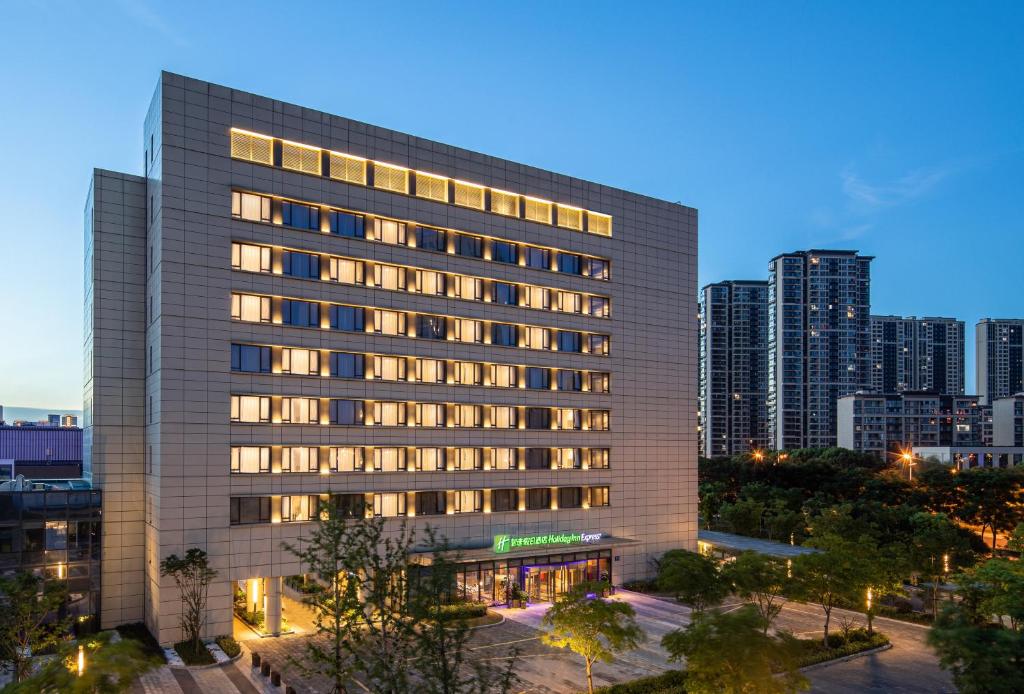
(502,543)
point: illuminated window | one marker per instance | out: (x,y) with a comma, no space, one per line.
(468,458)
(599,224)
(598,420)
(430,459)
(300,158)
(252,147)
(250,459)
(300,459)
(469,330)
(346,271)
(299,507)
(389,459)
(388,231)
(568,458)
(393,178)
(468,415)
(300,410)
(468,501)
(430,370)
(303,362)
(504,417)
(469,195)
(389,505)
(389,414)
(389,368)
(430,414)
(250,308)
(537,338)
(250,258)
(250,408)
(430,282)
(389,277)
(537,297)
(504,203)
(467,373)
(346,458)
(504,376)
(250,207)
(598,344)
(389,322)
(570,217)
(598,496)
(570,302)
(347,168)
(471,288)
(431,187)
(504,459)
(598,381)
(568,418)
(537,210)
(597,458)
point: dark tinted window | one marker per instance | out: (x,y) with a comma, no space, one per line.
(347,318)
(537,499)
(471,246)
(505,293)
(538,418)
(570,380)
(570,497)
(504,499)
(250,358)
(346,411)
(430,327)
(504,252)
(297,264)
(538,458)
(570,263)
(250,509)
(350,505)
(537,377)
(345,365)
(569,341)
(431,239)
(503,334)
(430,503)
(301,313)
(538,258)
(345,224)
(303,216)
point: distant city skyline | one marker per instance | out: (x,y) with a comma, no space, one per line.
(892,130)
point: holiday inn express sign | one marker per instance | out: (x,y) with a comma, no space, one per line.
(508,543)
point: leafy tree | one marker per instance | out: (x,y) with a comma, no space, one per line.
(592,627)
(743,516)
(1002,594)
(761,579)
(830,576)
(28,620)
(710,497)
(882,571)
(1016,539)
(193,575)
(936,548)
(729,653)
(693,578)
(940,490)
(994,499)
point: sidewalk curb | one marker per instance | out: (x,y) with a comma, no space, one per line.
(852,656)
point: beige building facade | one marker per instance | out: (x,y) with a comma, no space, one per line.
(292,307)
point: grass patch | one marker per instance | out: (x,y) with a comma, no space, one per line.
(671,682)
(137,631)
(814,652)
(229,646)
(192,655)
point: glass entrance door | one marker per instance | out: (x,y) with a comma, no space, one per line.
(539,582)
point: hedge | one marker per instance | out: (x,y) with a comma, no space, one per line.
(229,646)
(670,682)
(461,610)
(858,642)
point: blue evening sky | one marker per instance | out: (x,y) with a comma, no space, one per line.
(892,128)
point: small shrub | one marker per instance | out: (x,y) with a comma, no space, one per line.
(462,610)
(815,653)
(255,619)
(641,585)
(137,631)
(670,682)
(229,646)
(200,656)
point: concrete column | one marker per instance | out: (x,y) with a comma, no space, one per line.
(273,617)
(254,594)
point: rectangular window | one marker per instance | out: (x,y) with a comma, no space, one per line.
(504,203)
(538,297)
(570,263)
(253,409)
(538,378)
(430,327)
(469,195)
(598,381)
(598,496)
(388,231)
(346,271)
(430,459)
(570,341)
(300,410)
(470,288)
(346,365)
(468,416)
(347,412)
(537,338)
(469,330)
(250,459)
(570,497)
(252,147)
(468,459)
(299,508)
(250,308)
(431,239)
(300,459)
(250,258)
(389,414)
(250,359)
(430,503)
(598,420)
(568,458)
(504,417)
(468,373)
(300,158)
(305,314)
(539,258)
(388,177)
(538,499)
(302,362)
(430,414)
(597,458)
(505,293)
(504,376)
(389,277)
(389,368)
(249,509)
(599,224)
(570,217)
(538,418)
(568,379)
(431,187)
(350,505)
(430,282)
(305,265)
(596,268)
(389,322)
(345,458)
(294,214)
(599,306)
(389,505)
(430,370)
(505,252)
(598,344)
(346,224)
(504,459)
(469,246)
(348,318)
(348,168)
(570,302)
(568,418)
(468,501)
(537,210)
(504,500)
(504,334)
(389,459)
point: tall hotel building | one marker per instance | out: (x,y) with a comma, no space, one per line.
(917,354)
(999,358)
(733,367)
(291,306)
(819,307)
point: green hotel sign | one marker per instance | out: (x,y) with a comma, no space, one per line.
(508,543)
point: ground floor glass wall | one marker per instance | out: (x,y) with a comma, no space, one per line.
(541,578)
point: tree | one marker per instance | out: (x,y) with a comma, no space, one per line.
(692,577)
(883,571)
(994,499)
(590,626)
(729,653)
(936,548)
(1002,590)
(761,579)
(28,620)
(1016,539)
(829,576)
(710,497)
(743,516)
(193,575)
